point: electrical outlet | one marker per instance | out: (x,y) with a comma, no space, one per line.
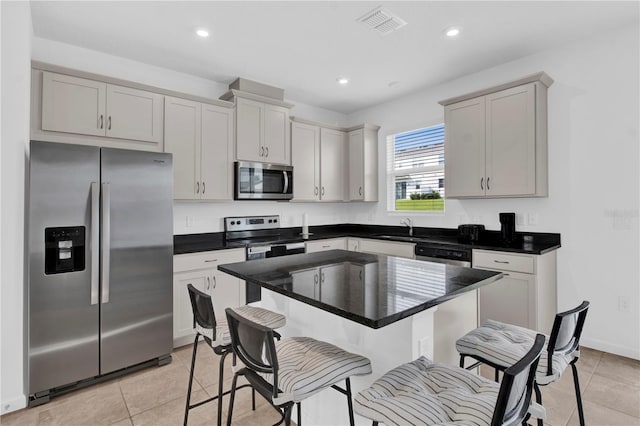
(532,219)
(189,222)
(623,304)
(520,219)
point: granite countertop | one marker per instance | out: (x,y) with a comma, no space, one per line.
(373,290)
(526,242)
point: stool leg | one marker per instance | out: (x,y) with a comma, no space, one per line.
(374,423)
(220,391)
(350,403)
(193,366)
(287,415)
(253,399)
(461,361)
(299,406)
(231,398)
(536,388)
(497,375)
(576,384)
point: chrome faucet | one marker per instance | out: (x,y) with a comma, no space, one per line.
(408,222)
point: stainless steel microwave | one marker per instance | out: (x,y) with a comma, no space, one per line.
(261,181)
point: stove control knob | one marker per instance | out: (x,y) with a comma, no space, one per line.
(275,220)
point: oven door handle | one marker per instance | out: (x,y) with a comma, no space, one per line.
(286,181)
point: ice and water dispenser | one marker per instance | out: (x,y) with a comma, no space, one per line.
(64,249)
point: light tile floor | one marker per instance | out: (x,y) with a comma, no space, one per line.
(156,396)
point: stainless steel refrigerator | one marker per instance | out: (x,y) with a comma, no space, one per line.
(100,247)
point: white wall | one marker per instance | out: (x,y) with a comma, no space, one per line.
(16,33)
(593,175)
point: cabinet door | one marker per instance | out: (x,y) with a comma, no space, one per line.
(334,288)
(73,105)
(464,165)
(306,282)
(332,173)
(182,312)
(510,300)
(356,165)
(134,114)
(182,139)
(353,244)
(305,158)
(216,157)
(249,130)
(276,142)
(226,293)
(510,145)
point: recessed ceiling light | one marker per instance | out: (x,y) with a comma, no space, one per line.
(202,32)
(342,81)
(452,32)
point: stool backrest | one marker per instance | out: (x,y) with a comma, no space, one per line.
(202,308)
(514,396)
(566,332)
(254,344)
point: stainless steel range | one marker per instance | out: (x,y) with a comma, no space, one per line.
(263,238)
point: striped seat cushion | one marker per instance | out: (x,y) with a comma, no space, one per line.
(423,393)
(504,344)
(307,366)
(260,316)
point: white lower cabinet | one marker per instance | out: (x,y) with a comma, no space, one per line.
(525,296)
(324,245)
(201,270)
(390,248)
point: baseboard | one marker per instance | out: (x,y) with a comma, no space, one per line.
(13,404)
(611,348)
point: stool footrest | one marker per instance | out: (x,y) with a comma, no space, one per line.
(213,398)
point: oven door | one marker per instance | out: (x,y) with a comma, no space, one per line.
(258,181)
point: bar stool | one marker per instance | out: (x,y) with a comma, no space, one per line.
(288,371)
(498,345)
(216,335)
(425,393)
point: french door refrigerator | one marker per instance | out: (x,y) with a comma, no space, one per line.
(100,247)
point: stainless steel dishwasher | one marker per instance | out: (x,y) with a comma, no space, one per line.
(443,253)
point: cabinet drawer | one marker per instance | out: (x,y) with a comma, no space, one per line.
(207,259)
(322,245)
(503,261)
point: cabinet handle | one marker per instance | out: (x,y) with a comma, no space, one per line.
(203,187)
(101,121)
(501,261)
(505,274)
(481,182)
(360,275)
(262,151)
(488,187)
(322,193)
(360,190)
(327,246)
(315,279)
(215,282)
(315,191)
(208,283)
(210,260)
(321,277)
(266,150)
(109,125)
(197,187)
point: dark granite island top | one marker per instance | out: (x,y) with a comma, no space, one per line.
(373,290)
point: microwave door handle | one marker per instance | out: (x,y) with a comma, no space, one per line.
(286,181)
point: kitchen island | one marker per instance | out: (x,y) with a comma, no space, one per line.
(378,306)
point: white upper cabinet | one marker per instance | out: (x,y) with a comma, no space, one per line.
(332,164)
(200,137)
(134,114)
(73,105)
(363,164)
(262,129)
(88,107)
(305,158)
(496,141)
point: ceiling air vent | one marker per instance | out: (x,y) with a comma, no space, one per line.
(382,20)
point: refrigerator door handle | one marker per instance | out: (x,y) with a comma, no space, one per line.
(106,237)
(95,243)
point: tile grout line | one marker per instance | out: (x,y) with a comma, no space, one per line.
(125,403)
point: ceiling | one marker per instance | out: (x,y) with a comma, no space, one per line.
(303,47)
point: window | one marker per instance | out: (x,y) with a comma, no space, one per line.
(415,170)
